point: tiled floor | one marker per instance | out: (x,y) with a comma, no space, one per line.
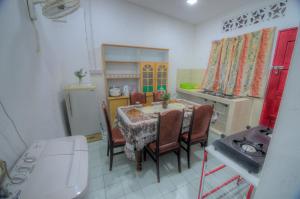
(124,182)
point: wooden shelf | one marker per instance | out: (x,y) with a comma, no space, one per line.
(129,46)
(121,62)
(123,76)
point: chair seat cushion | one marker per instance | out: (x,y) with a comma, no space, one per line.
(117,137)
(194,137)
(165,148)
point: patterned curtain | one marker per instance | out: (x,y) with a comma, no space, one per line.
(237,66)
(246,76)
(213,66)
(263,59)
(227,57)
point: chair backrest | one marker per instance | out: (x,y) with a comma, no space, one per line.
(137,97)
(200,121)
(169,127)
(104,108)
(157,96)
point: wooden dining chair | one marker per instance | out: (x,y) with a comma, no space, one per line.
(157,96)
(167,138)
(137,98)
(199,128)
(115,138)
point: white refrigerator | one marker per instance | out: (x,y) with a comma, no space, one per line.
(83,109)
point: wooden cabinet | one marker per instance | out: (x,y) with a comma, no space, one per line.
(154,76)
(142,69)
(114,103)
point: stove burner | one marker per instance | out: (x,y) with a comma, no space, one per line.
(266,131)
(252,148)
(248,148)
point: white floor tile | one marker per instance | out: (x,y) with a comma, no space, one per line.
(96,184)
(173,195)
(135,195)
(131,185)
(151,190)
(111,178)
(124,182)
(166,186)
(99,194)
(114,191)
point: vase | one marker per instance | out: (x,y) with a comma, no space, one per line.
(165,104)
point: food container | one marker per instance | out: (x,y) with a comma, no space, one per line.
(115,92)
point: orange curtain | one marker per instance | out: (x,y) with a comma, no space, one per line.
(213,66)
(237,66)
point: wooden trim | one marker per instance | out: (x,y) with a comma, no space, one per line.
(121,62)
(108,78)
(132,46)
(120,97)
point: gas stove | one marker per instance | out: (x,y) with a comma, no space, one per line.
(248,147)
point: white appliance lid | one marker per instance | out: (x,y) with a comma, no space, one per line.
(59,177)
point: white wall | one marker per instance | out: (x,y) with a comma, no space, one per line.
(31,82)
(212,29)
(28,84)
(36,61)
(121,22)
(280,176)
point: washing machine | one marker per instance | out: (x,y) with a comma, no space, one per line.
(51,169)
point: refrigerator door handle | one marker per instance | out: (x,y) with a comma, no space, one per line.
(70,104)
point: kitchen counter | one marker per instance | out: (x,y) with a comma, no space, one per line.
(233,115)
(198,93)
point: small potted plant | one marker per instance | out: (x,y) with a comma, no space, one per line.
(80,74)
(165,98)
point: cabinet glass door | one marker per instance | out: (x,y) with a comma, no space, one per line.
(161,76)
(147,77)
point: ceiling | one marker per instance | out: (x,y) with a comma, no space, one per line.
(195,14)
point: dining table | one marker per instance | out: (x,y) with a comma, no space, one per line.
(138,124)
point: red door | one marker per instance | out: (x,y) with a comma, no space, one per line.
(278,75)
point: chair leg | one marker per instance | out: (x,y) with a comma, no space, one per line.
(111,157)
(179,160)
(204,144)
(145,154)
(107,153)
(188,155)
(157,169)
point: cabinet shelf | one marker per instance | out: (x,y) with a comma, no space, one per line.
(122,76)
(120,62)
